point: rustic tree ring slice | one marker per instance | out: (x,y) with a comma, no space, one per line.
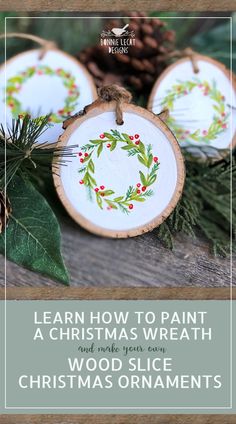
(124,179)
(56,83)
(201,105)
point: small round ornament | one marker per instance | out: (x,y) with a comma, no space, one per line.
(39,84)
(124,179)
(201,104)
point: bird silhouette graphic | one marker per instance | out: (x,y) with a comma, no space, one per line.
(119,31)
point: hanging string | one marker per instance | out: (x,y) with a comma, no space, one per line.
(106,94)
(188,52)
(45,44)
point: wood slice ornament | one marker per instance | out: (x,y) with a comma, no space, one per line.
(201,99)
(128,171)
(44,81)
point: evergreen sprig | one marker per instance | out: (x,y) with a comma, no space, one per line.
(205,205)
(22,153)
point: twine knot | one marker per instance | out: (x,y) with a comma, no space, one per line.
(108,93)
(118,94)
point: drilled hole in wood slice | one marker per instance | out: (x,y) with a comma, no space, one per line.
(126,196)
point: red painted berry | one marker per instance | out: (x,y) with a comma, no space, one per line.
(138,185)
(223,114)
(81,160)
(80,153)
(131,137)
(155,159)
(108,145)
(102,194)
(40,72)
(144,188)
(222,97)
(224,126)
(102,136)
(96,189)
(81,182)
(204,132)
(136,136)
(138,191)
(185,92)
(102,187)
(61,111)
(131,206)
(108,208)
(86,155)
(137,143)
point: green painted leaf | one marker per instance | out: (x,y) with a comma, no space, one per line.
(113,145)
(109,136)
(143,178)
(108,192)
(139,199)
(91,166)
(33,234)
(152,180)
(150,159)
(118,199)
(141,160)
(126,137)
(99,151)
(128,147)
(95,141)
(141,147)
(99,201)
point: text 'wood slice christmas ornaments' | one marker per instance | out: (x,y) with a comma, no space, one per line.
(44,81)
(201,98)
(128,173)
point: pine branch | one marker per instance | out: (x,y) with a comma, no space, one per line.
(20,152)
(205,205)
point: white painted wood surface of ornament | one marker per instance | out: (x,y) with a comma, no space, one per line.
(202,105)
(56,83)
(107,208)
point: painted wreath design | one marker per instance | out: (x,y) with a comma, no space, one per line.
(14,85)
(106,196)
(220,118)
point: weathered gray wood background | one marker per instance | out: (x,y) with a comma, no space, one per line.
(138,261)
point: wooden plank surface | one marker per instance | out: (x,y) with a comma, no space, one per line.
(117,293)
(140,261)
(117,419)
(130,5)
